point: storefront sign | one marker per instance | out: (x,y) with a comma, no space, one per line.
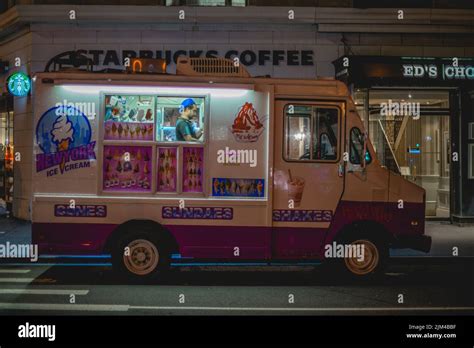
(365,71)
(19,84)
(445,72)
(246,57)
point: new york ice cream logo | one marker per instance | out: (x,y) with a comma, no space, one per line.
(63,134)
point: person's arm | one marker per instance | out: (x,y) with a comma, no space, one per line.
(199,133)
(188,137)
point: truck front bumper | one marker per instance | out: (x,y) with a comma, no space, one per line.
(418,242)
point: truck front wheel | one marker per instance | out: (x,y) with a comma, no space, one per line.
(372,254)
(372,261)
(141,256)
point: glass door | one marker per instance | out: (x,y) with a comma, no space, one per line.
(410,131)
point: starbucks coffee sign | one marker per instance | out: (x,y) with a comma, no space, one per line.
(247,57)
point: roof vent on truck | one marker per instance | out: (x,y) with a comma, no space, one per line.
(209,67)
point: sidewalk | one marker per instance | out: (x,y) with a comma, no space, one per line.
(15,231)
(444,237)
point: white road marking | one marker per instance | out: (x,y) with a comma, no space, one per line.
(43,292)
(124,308)
(64,307)
(16,280)
(365,309)
(23,271)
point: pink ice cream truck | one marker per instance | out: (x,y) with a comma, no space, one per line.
(281,169)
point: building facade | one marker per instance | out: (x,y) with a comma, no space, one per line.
(296,42)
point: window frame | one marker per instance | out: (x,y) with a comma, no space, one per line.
(351,147)
(338,105)
(155,145)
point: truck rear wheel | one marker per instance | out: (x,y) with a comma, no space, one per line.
(141,257)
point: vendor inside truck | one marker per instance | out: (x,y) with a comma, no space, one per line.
(185,131)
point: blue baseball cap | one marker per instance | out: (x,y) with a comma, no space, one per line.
(187,102)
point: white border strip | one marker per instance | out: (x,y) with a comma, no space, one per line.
(339,309)
(124,308)
(17,280)
(64,307)
(22,271)
(43,292)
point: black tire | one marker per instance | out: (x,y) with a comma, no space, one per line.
(146,259)
(375,260)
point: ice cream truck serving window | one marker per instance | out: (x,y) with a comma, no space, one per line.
(134,125)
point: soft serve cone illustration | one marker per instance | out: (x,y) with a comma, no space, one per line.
(62,133)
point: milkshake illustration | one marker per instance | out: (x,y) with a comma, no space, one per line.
(295,189)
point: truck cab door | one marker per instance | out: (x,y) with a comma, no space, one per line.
(308,175)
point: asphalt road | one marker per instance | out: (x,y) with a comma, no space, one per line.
(428,286)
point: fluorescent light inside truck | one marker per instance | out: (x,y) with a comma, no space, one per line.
(95,89)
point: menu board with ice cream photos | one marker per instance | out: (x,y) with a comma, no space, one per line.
(167,165)
(193,172)
(238,145)
(129,117)
(127,168)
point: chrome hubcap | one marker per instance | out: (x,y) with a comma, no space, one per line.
(142,257)
(369,261)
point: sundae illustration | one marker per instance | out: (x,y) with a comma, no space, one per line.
(62,133)
(247,126)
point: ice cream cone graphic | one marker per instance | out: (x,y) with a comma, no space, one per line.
(64,145)
(62,134)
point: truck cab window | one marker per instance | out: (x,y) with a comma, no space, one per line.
(311,133)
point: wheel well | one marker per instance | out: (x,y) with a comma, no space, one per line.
(372,228)
(134,225)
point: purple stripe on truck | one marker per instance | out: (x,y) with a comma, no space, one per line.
(235,242)
(67,238)
(239,242)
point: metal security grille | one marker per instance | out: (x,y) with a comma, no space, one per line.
(210,66)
